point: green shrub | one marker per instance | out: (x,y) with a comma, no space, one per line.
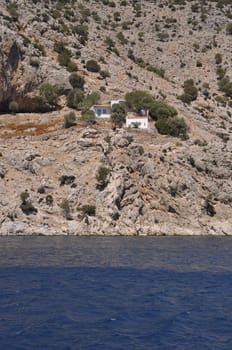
(64,58)
(59,46)
(74,98)
(88,117)
(118,114)
(159,109)
(82,31)
(220,71)
(229,28)
(218,58)
(13,10)
(48,97)
(109,43)
(69,120)
(72,66)
(104,74)
(13,107)
(163,36)
(173,126)
(67,180)
(40,47)
(225,85)
(138,100)
(49,199)
(101,177)
(89,101)
(190,92)
(26,205)
(24,196)
(65,206)
(158,71)
(88,209)
(93,66)
(121,37)
(76,81)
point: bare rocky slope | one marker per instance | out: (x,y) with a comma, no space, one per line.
(153,184)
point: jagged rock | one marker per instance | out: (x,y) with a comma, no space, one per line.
(89,133)
(12,228)
(3,171)
(121,139)
(136,150)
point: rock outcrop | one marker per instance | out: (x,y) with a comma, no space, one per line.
(155,187)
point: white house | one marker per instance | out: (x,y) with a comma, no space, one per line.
(102,111)
(137,121)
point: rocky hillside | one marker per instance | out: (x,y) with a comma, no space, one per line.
(97,180)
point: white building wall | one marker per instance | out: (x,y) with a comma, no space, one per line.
(114,102)
(104,112)
(143,122)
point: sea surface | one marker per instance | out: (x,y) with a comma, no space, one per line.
(116,293)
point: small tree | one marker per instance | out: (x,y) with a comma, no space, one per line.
(159,109)
(190,92)
(74,98)
(138,100)
(90,100)
(13,107)
(93,66)
(48,97)
(172,126)
(118,114)
(76,81)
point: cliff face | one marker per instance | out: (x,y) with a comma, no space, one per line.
(154,185)
(154,46)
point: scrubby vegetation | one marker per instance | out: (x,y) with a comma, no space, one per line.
(118,114)
(172,126)
(48,98)
(69,120)
(26,205)
(190,92)
(88,117)
(101,176)
(13,107)
(93,66)
(167,121)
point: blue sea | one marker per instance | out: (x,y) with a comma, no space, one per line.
(118,293)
